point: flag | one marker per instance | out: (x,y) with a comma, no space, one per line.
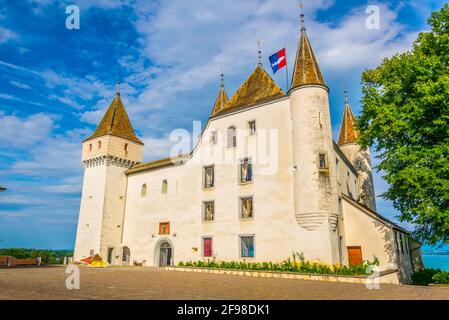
(278,60)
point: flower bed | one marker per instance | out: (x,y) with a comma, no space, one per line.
(295,265)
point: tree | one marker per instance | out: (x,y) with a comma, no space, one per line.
(406,116)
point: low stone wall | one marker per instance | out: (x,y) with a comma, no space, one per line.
(9,261)
(384,277)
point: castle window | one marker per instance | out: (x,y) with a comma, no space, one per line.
(247,246)
(164,187)
(90,147)
(232,139)
(246,208)
(207,247)
(208,210)
(323,163)
(99,144)
(208,177)
(126,147)
(126,255)
(213,137)
(143,191)
(246,171)
(252,127)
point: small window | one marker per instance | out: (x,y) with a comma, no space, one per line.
(232,140)
(126,254)
(209,177)
(92,251)
(99,144)
(246,171)
(247,246)
(207,247)
(126,147)
(164,187)
(323,161)
(164,228)
(246,208)
(252,127)
(90,147)
(143,191)
(208,211)
(213,137)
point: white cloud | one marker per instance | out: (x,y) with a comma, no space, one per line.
(22,133)
(20,85)
(6,35)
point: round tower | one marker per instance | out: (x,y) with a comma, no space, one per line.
(315,183)
(360,159)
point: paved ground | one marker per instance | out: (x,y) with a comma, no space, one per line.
(152,283)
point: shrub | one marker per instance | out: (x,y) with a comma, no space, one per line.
(441,277)
(297,264)
(424,277)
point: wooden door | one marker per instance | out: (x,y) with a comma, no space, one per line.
(355,256)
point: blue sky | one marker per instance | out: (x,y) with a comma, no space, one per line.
(56,83)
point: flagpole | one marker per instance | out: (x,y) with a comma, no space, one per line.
(286,66)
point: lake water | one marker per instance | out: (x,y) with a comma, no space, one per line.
(436,262)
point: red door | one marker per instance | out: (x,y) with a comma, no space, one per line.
(207,247)
(355,256)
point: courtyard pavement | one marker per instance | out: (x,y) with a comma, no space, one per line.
(152,283)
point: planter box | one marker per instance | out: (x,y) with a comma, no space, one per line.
(385,277)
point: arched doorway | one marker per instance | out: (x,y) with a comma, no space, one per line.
(165,254)
(126,256)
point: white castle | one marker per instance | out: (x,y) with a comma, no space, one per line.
(318,200)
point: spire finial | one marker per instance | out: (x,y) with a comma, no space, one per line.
(222,77)
(303,26)
(260,53)
(346,97)
(117,88)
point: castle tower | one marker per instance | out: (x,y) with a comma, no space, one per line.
(315,179)
(107,154)
(360,159)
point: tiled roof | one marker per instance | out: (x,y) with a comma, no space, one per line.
(306,71)
(116,122)
(348,131)
(221,101)
(257,88)
(157,164)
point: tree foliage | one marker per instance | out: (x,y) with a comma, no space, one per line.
(406,116)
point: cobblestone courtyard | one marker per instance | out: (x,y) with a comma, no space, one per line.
(152,283)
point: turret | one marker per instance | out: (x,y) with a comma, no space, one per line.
(107,154)
(360,159)
(315,185)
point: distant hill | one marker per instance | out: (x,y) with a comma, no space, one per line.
(48,256)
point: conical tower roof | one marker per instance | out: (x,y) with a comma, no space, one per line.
(307,70)
(116,122)
(221,100)
(257,88)
(348,132)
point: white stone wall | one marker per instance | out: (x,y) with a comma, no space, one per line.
(277,233)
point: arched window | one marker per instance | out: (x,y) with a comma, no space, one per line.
(143,192)
(126,255)
(164,187)
(99,144)
(126,147)
(90,146)
(232,140)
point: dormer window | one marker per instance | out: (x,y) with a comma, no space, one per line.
(232,139)
(213,137)
(252,127)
